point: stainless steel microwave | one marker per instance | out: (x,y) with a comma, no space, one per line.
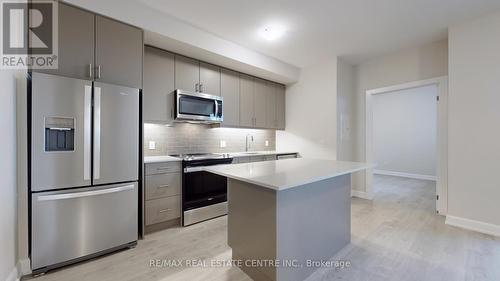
(198,107)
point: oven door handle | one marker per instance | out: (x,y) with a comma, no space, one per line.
(193,169)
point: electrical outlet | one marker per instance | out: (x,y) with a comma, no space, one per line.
(223,143)
(267,143)
(152,145)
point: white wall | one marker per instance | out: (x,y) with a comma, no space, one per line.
(414,64)
(8,222)
(474,120)
(346,110)
(311,118)
(404,131)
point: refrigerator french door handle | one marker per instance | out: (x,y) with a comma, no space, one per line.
(85,193)
(97,133)
(87,134)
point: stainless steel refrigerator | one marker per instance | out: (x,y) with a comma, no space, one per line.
(84,169)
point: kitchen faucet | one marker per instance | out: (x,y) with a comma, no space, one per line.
(247,143)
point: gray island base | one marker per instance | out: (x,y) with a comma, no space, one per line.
(276,234)
(287,216)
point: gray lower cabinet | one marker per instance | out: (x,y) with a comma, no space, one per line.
(162,210)
(230,92)
(210,79)
(257,158)
(187,73)
(239,160)
(158,91)
(162,189)
(119,52)
(76,43)
(270,157)
(280,107)
(162,185)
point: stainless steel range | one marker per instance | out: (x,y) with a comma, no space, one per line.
(204,195)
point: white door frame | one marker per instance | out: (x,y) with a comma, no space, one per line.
(442,136)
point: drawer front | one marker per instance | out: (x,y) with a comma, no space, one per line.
(270,157)
(163,209)
(163,185)
(69,224)
(257,158)
(162,168)
(242,159)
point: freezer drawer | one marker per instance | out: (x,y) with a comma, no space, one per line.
(67,225)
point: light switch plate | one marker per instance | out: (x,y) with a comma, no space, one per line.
(223,143)
(267,143)
(152,145)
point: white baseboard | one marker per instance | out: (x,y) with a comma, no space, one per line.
(361,194)
(24,267)
(405,175)
(474,225)
(13,275)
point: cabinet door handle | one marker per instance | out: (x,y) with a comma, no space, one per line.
(164,210)
(87,132)
(160,169)
(163,186)
(90,71)
(97,133)
(98,74)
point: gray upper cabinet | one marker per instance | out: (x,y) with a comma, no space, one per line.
(280,106)
(187,73)
(195,76)
(249,102)
(246,101)
(158,101)
(119,51)
(271,121)
(88,43)
(261,91)
(230,91)
(76,43)
(210,79)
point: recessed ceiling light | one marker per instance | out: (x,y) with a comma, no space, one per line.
(272,32)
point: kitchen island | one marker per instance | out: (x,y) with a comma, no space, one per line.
(286,215)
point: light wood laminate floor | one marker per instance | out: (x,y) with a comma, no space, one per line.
(397,236)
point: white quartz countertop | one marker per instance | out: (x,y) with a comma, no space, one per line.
(160,159)
(287,173)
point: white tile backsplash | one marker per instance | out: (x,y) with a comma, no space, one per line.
(184,138)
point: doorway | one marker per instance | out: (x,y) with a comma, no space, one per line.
(417,148)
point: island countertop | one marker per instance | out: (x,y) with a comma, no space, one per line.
(287,173)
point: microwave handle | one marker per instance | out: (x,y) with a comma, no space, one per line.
(216,108)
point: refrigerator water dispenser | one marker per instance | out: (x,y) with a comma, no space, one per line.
(59,134)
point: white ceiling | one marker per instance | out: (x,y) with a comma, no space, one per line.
(317,29)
